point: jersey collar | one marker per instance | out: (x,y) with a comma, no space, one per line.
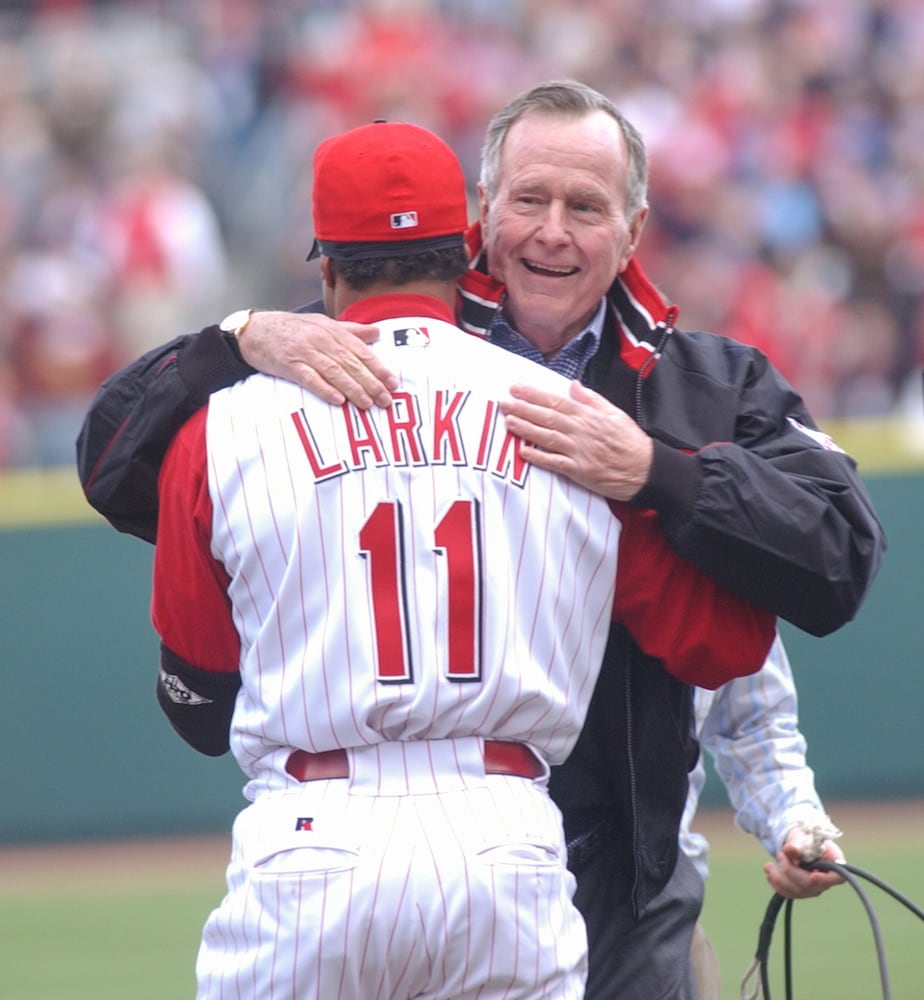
(396,306)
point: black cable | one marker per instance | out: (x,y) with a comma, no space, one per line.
(851,874)
(764,938)
(851,879)
(787,944)
(839,866)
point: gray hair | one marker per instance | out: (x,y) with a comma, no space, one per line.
(564,97)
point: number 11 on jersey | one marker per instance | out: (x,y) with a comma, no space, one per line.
(458,545)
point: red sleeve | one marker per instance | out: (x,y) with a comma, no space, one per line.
(190,608)
(704,634)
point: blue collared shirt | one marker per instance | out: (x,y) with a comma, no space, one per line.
(570,361)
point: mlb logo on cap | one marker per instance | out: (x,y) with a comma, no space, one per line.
(387,189)
(404,220)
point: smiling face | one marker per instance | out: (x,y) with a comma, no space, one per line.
(556,231)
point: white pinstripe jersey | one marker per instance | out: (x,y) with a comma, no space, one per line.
(401,574)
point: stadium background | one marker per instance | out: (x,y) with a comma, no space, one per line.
(154,174)
(155,169)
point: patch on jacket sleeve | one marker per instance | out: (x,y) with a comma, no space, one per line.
(819,437)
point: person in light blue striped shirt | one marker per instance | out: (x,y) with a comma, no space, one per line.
(750,729)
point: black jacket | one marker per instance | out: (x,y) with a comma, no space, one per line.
(750,491)
(747,487)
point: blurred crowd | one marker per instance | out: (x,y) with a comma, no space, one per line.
(155,168)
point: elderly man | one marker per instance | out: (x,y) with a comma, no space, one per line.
(697,427)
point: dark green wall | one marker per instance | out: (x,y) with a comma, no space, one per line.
(84,751)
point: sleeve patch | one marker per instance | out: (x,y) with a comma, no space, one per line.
(178,692)
(819,437)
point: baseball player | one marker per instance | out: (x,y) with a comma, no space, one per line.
(395,623)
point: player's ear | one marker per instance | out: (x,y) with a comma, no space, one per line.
(329,287)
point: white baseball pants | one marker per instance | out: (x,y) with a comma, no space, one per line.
(398,882)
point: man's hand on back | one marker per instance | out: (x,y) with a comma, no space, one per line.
(582,436)
(329,358)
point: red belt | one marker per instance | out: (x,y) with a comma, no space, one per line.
(499,758)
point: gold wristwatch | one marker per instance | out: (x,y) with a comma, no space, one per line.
(235,324)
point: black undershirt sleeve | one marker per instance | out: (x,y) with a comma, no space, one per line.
(198,703)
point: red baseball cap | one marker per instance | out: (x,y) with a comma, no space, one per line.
(388,189)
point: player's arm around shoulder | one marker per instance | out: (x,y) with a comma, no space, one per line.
(198,680)
(135,414)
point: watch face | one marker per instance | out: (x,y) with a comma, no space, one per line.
(233,323)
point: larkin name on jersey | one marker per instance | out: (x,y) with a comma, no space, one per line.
(446,428)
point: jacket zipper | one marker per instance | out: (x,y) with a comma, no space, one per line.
(630,762)
(666,328)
